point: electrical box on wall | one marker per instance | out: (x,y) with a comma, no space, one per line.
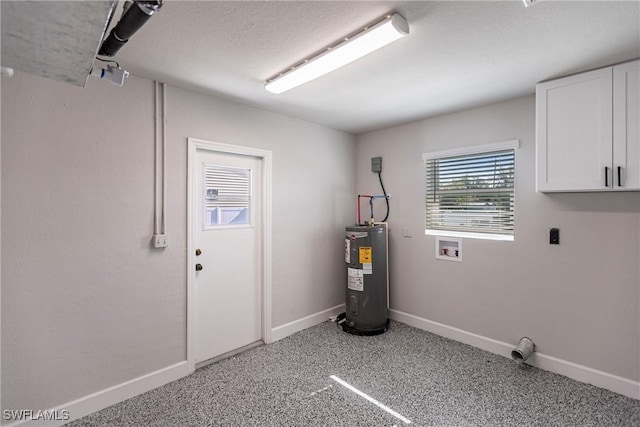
(376,164)
(449,248)
(160,240)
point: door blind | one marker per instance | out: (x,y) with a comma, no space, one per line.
(226,186)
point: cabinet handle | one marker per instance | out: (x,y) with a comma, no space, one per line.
(619,176)
(606,176)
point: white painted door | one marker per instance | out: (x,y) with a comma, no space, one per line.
(228,252)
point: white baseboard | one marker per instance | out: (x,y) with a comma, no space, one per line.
(572,370)
(291,328)
(110,396)
(105,398)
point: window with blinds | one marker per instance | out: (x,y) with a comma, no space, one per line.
(227,196)
(471,193)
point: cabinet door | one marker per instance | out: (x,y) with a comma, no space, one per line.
(574,132)
(626,126)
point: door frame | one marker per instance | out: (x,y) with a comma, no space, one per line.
(265,156)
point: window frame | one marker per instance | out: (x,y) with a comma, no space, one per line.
(468,151)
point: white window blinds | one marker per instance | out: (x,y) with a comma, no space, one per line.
(471,192)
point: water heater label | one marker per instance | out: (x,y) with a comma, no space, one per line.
(365,254)
(347,251)
(367,268)
(355,279)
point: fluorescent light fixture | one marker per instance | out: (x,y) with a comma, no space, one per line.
(369,39)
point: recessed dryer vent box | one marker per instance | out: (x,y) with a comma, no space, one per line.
(449,248)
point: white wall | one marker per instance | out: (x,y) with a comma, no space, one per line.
(86,302)
(313,193)
(578,301)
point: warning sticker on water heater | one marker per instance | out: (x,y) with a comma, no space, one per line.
(355,279)
(365,254)
(365,259)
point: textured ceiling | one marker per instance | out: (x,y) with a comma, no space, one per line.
(459,54)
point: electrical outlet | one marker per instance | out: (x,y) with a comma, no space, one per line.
(160,240)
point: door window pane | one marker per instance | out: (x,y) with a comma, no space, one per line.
(227,196)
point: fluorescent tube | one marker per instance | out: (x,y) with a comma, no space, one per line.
(368,40)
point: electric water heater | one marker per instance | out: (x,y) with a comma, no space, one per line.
(367,290)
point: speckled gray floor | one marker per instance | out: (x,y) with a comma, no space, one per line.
(428,379)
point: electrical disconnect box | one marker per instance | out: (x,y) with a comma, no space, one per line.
(376,164)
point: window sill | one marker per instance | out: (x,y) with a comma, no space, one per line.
(470,235)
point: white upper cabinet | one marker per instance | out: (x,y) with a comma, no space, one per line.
(626,126)
(587,131)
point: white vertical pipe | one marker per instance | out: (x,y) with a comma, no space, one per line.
(164,159)
(156,153)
